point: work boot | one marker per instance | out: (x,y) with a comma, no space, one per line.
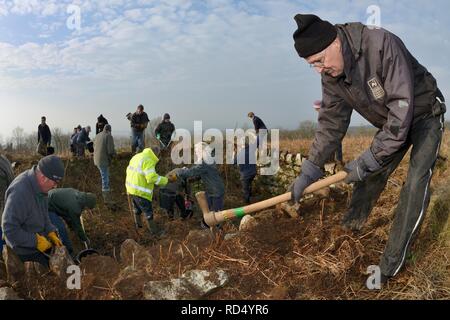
(154,229)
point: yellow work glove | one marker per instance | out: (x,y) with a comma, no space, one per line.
(42,243)
(54,238)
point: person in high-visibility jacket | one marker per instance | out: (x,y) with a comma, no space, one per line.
(140,181)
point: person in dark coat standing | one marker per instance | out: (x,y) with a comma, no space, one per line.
(164,131)
(260,127)
(44,137)
(101,123)
(139,122)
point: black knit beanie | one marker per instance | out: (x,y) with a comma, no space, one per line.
(313,34)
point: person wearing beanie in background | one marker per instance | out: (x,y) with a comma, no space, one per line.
(370,70)
(164,131)
(101,123)
(68,204)
(104,151)
(44,137)
(26,224)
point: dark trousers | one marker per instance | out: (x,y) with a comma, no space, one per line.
(80,148)
(425,138)
(167,201)
(215,203)
(338,153)
(247,187)
(142,205)
(36,257)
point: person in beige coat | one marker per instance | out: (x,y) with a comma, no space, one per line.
(104,151)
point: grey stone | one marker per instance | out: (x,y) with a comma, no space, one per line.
(192,285)
(248,223)
(60,260)
(8,294)
(15,269)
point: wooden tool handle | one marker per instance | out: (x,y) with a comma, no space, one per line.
(229,214)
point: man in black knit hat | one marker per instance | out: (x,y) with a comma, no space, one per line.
(371,71)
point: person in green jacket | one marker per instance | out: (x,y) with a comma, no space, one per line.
(68,204)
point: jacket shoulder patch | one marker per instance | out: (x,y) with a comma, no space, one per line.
(376,88)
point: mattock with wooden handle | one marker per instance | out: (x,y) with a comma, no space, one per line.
(214,218)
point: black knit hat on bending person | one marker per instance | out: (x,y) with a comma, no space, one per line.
(52,167)
(313,34)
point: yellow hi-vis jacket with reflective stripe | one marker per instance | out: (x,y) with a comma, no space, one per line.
(142,176)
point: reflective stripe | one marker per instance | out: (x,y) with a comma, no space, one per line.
(158,181)
(139,169)
(139,188)
(149,171)
(135,170)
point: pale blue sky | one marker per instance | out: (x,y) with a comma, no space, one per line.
(210,60)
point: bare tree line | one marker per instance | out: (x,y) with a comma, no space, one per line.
(26,143)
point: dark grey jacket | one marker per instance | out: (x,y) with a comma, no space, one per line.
(212,181)
(384,83)
(25,214)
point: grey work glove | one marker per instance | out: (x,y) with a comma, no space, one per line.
(310,174)
(358,170)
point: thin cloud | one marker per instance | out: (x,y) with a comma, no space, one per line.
(190,55)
